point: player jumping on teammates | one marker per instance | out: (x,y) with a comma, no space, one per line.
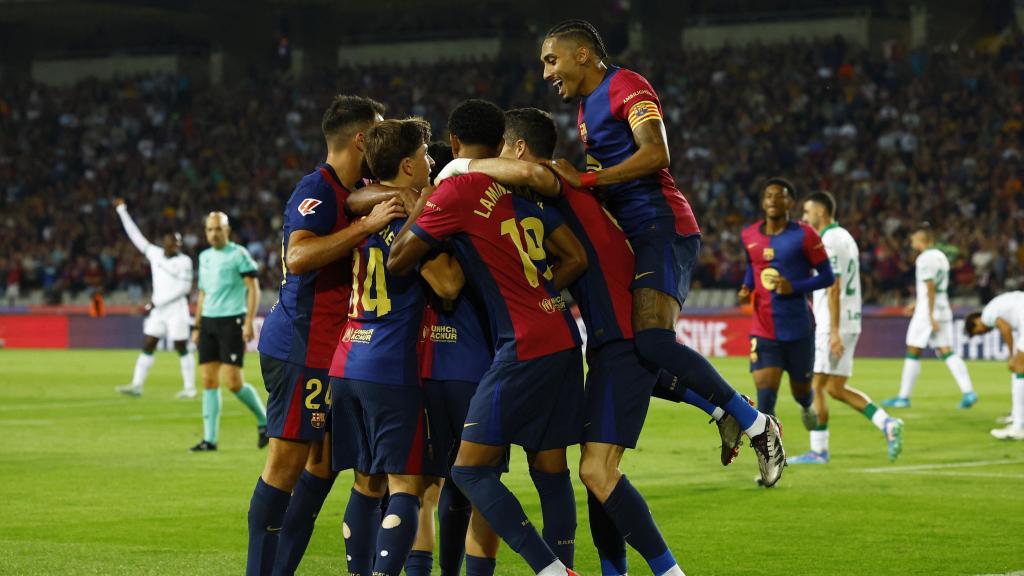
(837,314)
(931,324)
(621,127)
(379,402)
(619,384)
(299,336)
(167,311)
(781,257)
(1006,314)
(229,294)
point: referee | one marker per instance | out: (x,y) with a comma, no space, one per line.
(228,296)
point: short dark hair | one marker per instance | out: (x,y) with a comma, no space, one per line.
(347,114)
(441,152)
(583,32)
(535,127)
(477,121)
(779,181)
(924,228)
(970,320)
(826,199)
(391,141)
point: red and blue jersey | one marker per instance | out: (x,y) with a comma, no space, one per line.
(498,238)
(792,254)
(304,324)
(602,291)
(378,343)
(454,344)
(607,117)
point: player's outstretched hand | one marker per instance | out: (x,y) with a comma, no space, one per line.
(744,293)
(383,213)
(456,167)
(783,287)
(566,170)
(118,202)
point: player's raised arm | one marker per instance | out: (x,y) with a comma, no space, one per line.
(362,201)
(134,234)
(652,155)
(512,172)
(307,251)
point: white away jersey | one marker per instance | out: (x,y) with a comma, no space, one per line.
(172,277)
(932,264)
(1009,307)
(845,259)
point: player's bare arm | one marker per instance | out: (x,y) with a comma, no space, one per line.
(652,155)
(307,251)
(199,317)
(362,201)
(570,257)
(519,173)
(409,248)
(252,302)
(835,343)
(445,276)
(931,305)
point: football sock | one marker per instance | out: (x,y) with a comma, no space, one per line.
(959,370)
(211,414)
(611,546)
(877,415)
(804,400)
(558,506)
(188,371)
(746,415)
(453,511)
(1017,394)
(266,513)
(362,520)
(397,534)
(419,563)
(766,398)
(668,388)
(142,365)
(247,395)
(627,508)
(556,568)
(307,498)
(501,509)
(819,440)
(479,566)
(911,370)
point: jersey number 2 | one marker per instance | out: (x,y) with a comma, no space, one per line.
(530,245)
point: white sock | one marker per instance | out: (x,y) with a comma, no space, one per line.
(717,413)
(1017,412)
(879,418)
(760,423)
(188,372)
(911,370)
(142,366)
(959,370)
(819,441)
(556,568)
(674,571)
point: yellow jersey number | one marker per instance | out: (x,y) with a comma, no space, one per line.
(313,388)
(373,294)
(529,244)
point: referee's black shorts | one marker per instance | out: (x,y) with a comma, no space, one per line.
(220,340)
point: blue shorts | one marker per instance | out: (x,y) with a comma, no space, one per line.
(619,386)
(381,429)
(298,401)
(796,357)
(536,403)
(664,260)
(447,406)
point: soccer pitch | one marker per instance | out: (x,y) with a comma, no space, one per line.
(95,483)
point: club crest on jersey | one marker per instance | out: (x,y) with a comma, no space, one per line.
(768,253)
(306,207)
(317,420)
(583,132)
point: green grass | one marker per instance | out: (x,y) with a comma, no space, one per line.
(94,483)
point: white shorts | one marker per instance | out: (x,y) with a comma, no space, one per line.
(920,335)
(824,363)
(172,324)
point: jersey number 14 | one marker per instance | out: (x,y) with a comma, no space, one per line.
(373,294)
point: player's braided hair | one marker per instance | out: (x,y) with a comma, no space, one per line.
(582,31)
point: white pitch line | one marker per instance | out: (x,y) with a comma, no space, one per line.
(54,405)
(927,467)
(953,474)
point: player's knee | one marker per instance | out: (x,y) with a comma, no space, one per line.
(597,476)
(372,485)
(181,348)
(651,344)
(835,389)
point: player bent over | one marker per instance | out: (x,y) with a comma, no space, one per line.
(380,422)
(228,296)
(932,322)
(167,311)
(299,336)
(1006,314)
(623,134)
(837,313)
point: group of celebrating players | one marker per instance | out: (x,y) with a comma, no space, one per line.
(421,330)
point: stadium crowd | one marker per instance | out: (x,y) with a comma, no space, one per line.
(899,137)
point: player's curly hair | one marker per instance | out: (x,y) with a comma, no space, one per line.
(477,121)
(581,31)
(391,141)
(781,182)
